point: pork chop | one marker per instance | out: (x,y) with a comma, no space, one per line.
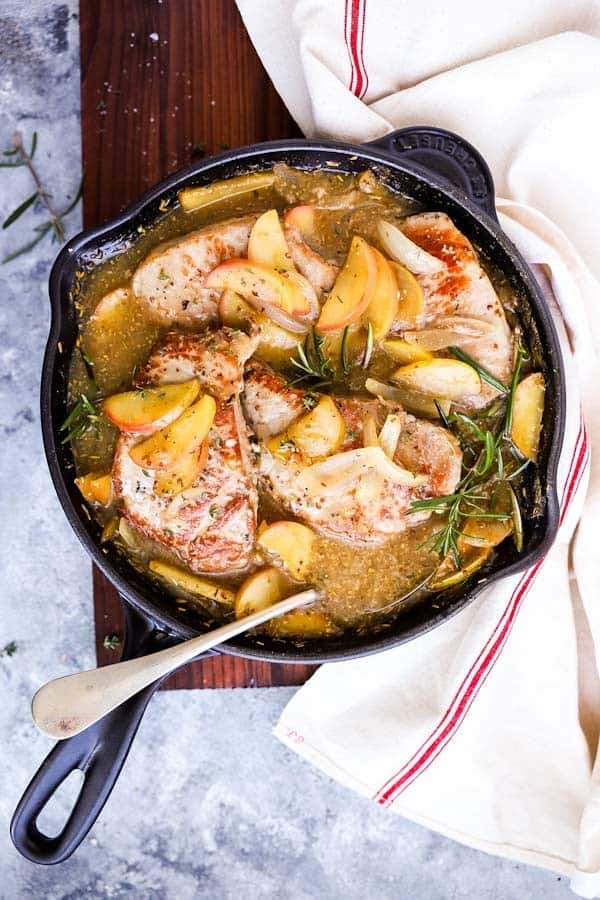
(170,280)
(211,525)
(359,503)
(319,271)
(462,288)
(215,358)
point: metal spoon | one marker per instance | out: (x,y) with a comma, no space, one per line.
(65,706)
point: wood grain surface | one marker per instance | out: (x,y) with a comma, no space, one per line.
(163,83)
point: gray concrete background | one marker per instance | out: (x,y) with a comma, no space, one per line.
(209,804)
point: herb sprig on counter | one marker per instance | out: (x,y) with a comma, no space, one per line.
(18,157)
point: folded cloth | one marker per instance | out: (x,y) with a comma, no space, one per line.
(485,729)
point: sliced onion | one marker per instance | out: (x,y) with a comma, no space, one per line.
(344,469)
(413,401)
(390,434)
(449,332)
(405,251)
(296,324)
(370,438)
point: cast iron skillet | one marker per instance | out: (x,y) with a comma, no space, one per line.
(443,172)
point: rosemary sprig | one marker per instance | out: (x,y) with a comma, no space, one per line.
(82,418)
(312,361)
(55,224)
(476,493)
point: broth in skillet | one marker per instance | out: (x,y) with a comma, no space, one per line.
(302,378)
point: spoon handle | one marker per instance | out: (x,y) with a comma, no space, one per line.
(65,706)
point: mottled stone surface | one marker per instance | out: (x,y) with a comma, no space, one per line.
(209,805)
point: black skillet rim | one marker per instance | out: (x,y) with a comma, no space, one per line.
(256,157)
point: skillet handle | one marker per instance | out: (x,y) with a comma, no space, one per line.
(99,752)
(446,155)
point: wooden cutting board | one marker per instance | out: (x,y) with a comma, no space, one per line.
(163,83)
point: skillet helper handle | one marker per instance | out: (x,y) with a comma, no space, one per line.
(99,752)
(446,155)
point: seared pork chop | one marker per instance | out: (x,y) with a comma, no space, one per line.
(215,358)
(462,288)
(320,272)
(171,278)
(358,500)
(211,524)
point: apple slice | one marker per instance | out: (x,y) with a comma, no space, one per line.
(527,415)
(302,218)
(411,302)
(192,584)
(286,297)
(191,199)
(234,311)
(292,543)
(354,286)
(446,378)
(184,472)
(260,590)
(164,449)
(447,575)
(145,410)
(317,434)
(302,623)
(96,488)
(404,352)
(276,344)
(383,303)
(267,244)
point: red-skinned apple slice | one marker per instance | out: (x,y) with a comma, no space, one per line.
(302,218)
(146,410)
(353,288)
(267,244)
(383,303)
(286,297)
(164,449)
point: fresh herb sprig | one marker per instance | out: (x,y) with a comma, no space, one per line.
(475,494)
(318,367)
(83,417)
(313,362)
(19,157)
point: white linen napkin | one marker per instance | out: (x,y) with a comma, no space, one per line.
(485,729)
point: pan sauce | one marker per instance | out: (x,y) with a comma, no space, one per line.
(361,586)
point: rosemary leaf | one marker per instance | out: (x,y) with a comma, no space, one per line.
(24,249)
(443,417)
(517,519)
(16,213)
(75,200)
(369,346)
(344,352)
(481,370)
(34,140)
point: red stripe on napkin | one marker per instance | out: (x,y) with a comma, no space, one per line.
(354,34)
(486,659)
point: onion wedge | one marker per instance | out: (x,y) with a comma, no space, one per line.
(405,251)
(342,469)
(452,331)
(412,401)
(390,434)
